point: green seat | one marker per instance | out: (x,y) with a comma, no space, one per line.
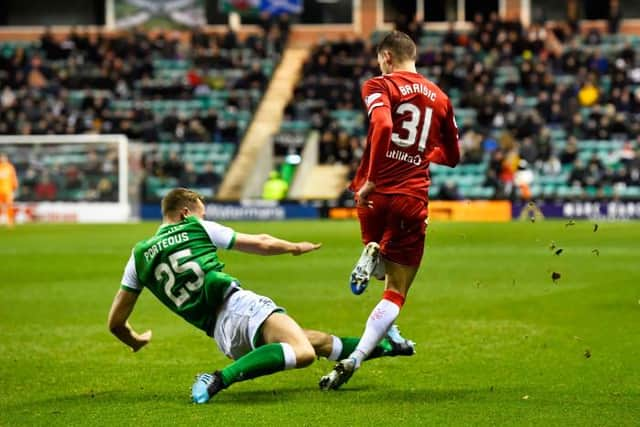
(632,192)
(548,190)
(205,191)
(536,191)
(345,114)
(434,191)
(488,192)
(464,180)
(437,170)
(570,192)
(295,125)
(558,133)
(465,192)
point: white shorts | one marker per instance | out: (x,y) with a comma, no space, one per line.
(239,320)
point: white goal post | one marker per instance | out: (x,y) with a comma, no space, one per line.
(98,182)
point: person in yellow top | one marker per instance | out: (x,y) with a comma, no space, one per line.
(275,188)
(8,185)
(588,94)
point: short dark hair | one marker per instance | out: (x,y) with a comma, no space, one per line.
(399,44)
(179,198)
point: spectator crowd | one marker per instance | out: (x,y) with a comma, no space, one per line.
(526,98)
(162,88)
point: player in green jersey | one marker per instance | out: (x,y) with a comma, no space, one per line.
(180,266)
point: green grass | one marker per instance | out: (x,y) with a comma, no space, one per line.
(491,327)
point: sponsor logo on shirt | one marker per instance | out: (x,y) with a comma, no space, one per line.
(404,157)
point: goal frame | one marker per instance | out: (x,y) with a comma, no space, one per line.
(119,211)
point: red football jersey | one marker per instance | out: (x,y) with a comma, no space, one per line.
(411,125)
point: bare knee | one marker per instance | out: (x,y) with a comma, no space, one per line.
(320,341)
(281,328)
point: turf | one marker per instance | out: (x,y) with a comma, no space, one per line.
(498,341)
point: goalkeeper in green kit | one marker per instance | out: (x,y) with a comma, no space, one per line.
(180,266)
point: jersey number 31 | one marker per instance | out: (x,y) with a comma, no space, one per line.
(163,271)
(411,125)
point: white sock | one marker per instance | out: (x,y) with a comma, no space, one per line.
(336,348)
(379,322)
(289,356)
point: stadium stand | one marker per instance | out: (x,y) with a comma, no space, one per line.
(543,112)
(190,103)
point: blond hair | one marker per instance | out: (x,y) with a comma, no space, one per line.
(179,198)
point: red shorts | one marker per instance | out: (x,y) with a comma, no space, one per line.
(398,223)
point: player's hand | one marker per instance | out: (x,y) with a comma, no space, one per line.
(362,199)
(304,247)
(142,340)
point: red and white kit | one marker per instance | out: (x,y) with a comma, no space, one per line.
(411,124)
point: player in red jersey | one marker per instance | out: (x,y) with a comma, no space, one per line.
(411,125)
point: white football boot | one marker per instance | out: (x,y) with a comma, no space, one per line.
(365,267)
(340,374)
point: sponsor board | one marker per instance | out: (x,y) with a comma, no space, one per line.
(261,212)
(218,211)
(71,212)
(464,211)
(253,211)
(614,210)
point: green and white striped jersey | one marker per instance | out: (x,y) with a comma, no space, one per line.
(180,266)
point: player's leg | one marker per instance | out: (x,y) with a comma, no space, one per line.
(262,343)
(337,348)
(372,221)
(3,209)
(398,281)
(281,328)
(380,320)
(403,246)
(10,211)
(403,242)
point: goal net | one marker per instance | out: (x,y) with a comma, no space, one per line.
(75,178)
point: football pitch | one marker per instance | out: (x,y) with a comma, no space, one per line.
(499,341)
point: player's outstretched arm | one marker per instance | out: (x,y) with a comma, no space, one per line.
(264,244)
(121,309)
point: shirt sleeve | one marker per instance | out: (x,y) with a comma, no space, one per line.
(221,236)
(450,147)
(129,280)
(447,150)
(378,105)
(374,95)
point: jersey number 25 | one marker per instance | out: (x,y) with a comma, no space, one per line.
(411,125)
(163,271)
